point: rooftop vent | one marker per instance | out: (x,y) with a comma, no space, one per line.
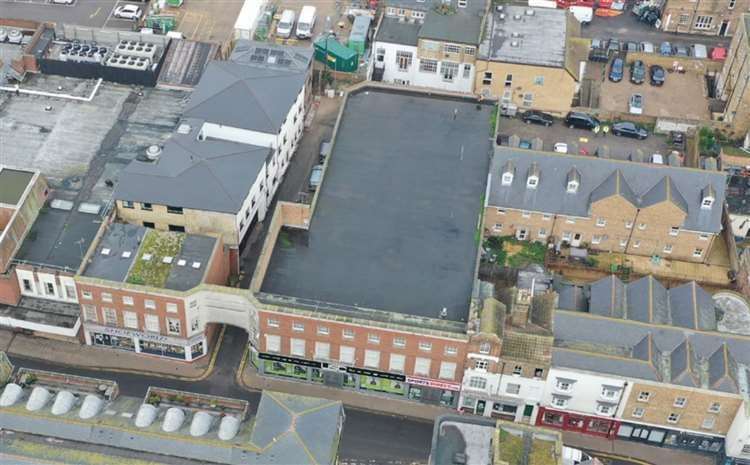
(183,128)
(514,43)
(146,415)
(229,427)
(515,34)
(146,257)
(529,12)
(517,17)
(181,262)
(11,394)
(153,152)
(91,406)
(106,251)
(39,396)
(196,265)
(126,254)
(502,16)
(64,401)
(173,420)
(201,424)
(59,204)
(167,260)
(499,8)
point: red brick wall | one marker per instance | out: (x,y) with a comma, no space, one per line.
(360,343)
(218,271)
(10,292)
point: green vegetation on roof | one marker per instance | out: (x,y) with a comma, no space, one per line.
(154,272)
(511,450)
(49,453)
(13,184)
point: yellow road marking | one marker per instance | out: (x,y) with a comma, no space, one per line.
(95,13)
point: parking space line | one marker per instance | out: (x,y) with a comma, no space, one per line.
(95,13)
(201,16)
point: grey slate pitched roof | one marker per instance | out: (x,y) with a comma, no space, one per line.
(644,184)
(463,25)
(393,31)
(226,170)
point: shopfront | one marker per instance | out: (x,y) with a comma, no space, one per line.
(502,409)
(147,343)
(657,436)
(577,422)
(360,379)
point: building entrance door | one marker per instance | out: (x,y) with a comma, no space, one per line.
(723,28)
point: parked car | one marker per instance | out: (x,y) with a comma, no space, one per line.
(718,53)
(537,117)
(647,47)
(699,51)
(128,11)
(3,35)
(629,129)
(325,150)
(666,49)
(616,70)
(637,72)
(681,51)
(598,43)
(658,75)
(657,159)
(63,2)
(15,36)
(630,47)
(613,46)
(560,147)
(598,55)
(316,176)
(306,22)
(286,24)
(576,119)
(635,104)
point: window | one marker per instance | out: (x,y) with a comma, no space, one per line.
(322,350)
(450,350)
(174,326)
(644,396)
(127,204)
(149,224)
(526,214)
(450,48)
(604,409)
(422,366)
(746,449)
(703,237)
(715,407)
(272,323)
(673,417)
(70,291)
(623,242)
(566,235)
(684,19)
(448,70)
(149,304)
(399,342)
(323,330)
(481,364)
(417,14)
(467,71)
(596,239)
(564,385)
(372,358)
(708,423)
(401,12)
(195,324)
(391,11)
(397,363)
(425,346)
(106,296)
(497,227)
(127,300)
(373,338)
(704,22)
(679,402)
(487,78)
(628,225)
(517,370)
(348,333)
(697,252)
(539,80)
(477,382)
(609,392)
(508,80)
(403,60)
(146,206)
(171,307)
(298,327)
(570,220)
(528,99)
(297,347)
(642,226)
(176,228)
(674,230)
(130,320)
(89,313)
(542,232)
(513,388)
(346,354)
(732,3)
(49,288)
(667,248)
(273,343)
(152,323)
(27,285)
(538,372)
(601,222)
(110,316)
(447,370)
(636,244)
(428,66)
(559,401)
(638,412)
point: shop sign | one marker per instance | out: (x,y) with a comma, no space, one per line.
(433,384)
(151,337)
(293,360)
(377,374)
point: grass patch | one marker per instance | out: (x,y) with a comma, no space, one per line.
(493,120)
(154,272)
(734,151)
(508,251)
(509,447)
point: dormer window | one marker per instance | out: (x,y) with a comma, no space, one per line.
(708,202)
(507,179)
(708,197)
(572,187)
(508,171)
(573,180)
(532,178)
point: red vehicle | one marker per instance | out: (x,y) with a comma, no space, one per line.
(718,54)
(568,3)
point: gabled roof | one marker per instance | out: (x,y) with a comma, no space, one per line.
(664,191)
(614,184)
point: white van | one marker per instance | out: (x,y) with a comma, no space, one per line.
(306,22)
(584,14)
(286,24)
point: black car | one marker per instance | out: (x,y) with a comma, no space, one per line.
(637,72)
(617,70)
(628,129)
(579,120)
(658,75)
(537,117)
(613,46)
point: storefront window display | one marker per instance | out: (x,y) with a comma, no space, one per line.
(284,369)
(374,383)
(165,350)
(196,350)
(350,380)
(316,375)
(125,343)
(447,398)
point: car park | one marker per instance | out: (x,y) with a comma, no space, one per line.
(617,70)
(647,47)
(537,117)
(637,72)
(635,104)
(613,46)
(128,11)
(657,75)
(666,49)
(629,129)
(576,119)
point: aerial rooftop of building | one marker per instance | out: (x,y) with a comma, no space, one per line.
(396,31)
(642,184)
(394,227)
(13,184)
(227,170)
(254,89)
(137,255)
(643,330)
(525,35)
(450,21)
(286,429)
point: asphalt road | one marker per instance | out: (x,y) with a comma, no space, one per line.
(90,13)
(368,437)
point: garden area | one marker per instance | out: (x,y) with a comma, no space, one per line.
(510,252)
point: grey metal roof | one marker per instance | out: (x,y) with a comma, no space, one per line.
(13,183)
(254,90)
(464,26)
(550,195)
(393,31)
(537,39)
(226,170)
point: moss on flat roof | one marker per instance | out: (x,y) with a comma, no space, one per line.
(154,272)
(12,185)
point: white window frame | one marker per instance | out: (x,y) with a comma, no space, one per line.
(667,248)
(130,320)
(425,346)
(673,418)
(638,412)
(272,322)
(644,396)
(450,351)
(152,323)
(128,300)
(422,366)
(174,326)
(90,313)
(397,363)
(347,333)
(680,402)
(322,350)
(714,407)
(110,316)
(399,342)
(373,338)
(447,370)
(372,358)
(149,304)
(478,382)
(513,389)
(703,22)
(347,354)
(298,327)
(273,343)
(323,330)
(674,230)
(297,347)
(172,307)
(698,252)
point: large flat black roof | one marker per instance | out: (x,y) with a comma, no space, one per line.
(395,227)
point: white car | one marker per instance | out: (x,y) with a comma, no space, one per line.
(128,11)
(561,147)
(63,2)
(636,104)
(657,159)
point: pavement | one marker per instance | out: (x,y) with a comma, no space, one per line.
(629,452)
